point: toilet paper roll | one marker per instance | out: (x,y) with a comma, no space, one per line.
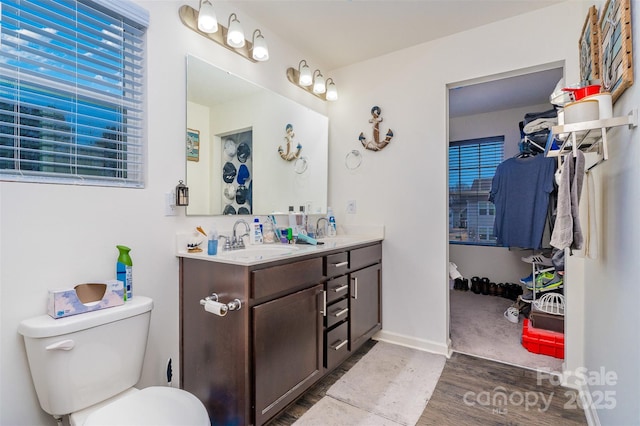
(216,308)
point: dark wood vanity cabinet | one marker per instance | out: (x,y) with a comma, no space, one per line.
(300,318)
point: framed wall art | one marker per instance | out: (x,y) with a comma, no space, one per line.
(616,56)
(590,47)
(193,145)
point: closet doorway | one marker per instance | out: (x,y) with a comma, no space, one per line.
(481,110)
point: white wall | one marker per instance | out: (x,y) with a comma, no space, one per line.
(201,171)
(404,186)
(611,281)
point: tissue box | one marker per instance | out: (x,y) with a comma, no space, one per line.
(85,298)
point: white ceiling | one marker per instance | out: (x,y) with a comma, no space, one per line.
(342,32)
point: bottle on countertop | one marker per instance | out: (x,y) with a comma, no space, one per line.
(124,271)
(212,243)
(268,231)
(331,226)
(301,221)
(256,231)
(293,221)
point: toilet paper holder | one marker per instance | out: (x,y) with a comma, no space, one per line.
(234,305)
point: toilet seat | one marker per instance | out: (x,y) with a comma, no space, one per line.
(156,405)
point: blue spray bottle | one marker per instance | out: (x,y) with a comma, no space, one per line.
(124,271)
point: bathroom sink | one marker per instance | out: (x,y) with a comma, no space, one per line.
(258,252)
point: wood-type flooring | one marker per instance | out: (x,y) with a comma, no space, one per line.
(472,391)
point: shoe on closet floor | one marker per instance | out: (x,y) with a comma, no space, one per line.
(454,274)
(526,297)
(475,285)
(527,280)
(547,281)
(539,258)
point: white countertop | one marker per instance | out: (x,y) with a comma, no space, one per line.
(263,253)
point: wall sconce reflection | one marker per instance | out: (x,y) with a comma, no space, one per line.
(313,83)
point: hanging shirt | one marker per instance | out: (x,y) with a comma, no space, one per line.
(520,191)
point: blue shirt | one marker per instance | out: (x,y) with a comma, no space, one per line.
(520,191)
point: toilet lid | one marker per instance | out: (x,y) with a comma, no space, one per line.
(154,405)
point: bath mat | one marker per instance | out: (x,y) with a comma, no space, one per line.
(391,381)
(329,411)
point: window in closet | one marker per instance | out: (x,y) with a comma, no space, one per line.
(472,164)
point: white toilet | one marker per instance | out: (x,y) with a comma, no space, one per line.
(86,365)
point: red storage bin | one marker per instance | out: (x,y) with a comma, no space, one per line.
(541,341)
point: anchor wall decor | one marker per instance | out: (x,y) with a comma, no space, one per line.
(376,144)
(289,154)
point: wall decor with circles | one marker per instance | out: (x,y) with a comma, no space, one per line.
(237,172)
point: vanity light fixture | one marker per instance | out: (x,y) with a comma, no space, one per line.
(205,23)
(318,83)
(235,34)
(332,91)
(260,50)
(305,79)
(313,83)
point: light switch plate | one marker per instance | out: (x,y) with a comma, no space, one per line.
(351,206)
(169,204)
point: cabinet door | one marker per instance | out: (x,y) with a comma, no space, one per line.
(365,308)
(287,342)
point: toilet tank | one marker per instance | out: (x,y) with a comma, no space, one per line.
(81,360)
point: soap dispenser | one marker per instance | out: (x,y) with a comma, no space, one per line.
(331,227)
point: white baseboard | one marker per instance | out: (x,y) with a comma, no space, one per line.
(412,342)
(572,380)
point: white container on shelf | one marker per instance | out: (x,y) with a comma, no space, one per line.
(605,104)
(580,111)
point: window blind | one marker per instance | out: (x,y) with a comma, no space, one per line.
(472,165)
(71,93)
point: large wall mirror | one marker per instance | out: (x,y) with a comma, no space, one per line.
(234,131)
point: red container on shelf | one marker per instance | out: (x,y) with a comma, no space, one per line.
(581,92)
(541,341)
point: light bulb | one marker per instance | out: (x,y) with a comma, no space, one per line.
(260,49)
(207,21)
(305,79)
(332,91)
(318,83)
(235,34)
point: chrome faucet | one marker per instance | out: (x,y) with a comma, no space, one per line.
(227,242)
(237,242)
(320,232)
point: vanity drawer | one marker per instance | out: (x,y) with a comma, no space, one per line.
(365,256)
(336,346)
(336,264)
(337,288)
(292,276)
(337,312)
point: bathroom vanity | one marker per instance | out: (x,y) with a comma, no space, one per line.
(302,313)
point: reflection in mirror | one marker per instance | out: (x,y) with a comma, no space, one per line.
(236,168)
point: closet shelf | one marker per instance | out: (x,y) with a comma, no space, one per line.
(588,136)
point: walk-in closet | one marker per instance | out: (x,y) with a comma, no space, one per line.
(499,173)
